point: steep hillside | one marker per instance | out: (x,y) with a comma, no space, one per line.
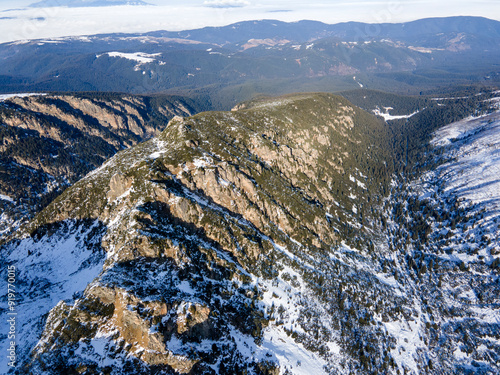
(287,236)
(48,142)
(444,240)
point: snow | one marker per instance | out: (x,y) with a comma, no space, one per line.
(359,83)
(6,198)
(140,57)
(474,169)
(387,116)
(277,345)
(124,195)
(451,98)
(459,354)
(41,43)
(49,270)
(423,49)
(200,163)
(359,183)
(290,354)
(390,281)
(8,223)
(223,182)
(487,315)
(186,288)
(470,171)
(20,95)
(407,334)
(96,350)
(155,155)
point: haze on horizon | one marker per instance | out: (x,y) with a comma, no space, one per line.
(19,22)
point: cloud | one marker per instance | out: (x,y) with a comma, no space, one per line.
(226,3)
(177,15)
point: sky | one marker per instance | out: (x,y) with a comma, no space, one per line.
(18,22)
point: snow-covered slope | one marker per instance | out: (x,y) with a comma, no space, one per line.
(49,268)
(449,232)
(473,172)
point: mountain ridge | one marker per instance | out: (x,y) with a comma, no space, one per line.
(280,237)
(228,65)
(246,227)
(49,141)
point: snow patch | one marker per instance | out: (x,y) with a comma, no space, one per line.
(6,198)
(140,57)
(292,355)
(359,183)
(20,95)
(409,341)
(387,116)
(155,155)
(359,83)
(200,163)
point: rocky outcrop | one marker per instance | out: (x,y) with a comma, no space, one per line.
(50,141)
(203,221)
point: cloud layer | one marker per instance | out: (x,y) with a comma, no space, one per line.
(226,3)
(174,15)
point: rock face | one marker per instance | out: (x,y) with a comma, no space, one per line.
(256,241)
(49,142)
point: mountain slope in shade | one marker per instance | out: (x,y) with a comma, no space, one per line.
(272,239)
(49,142)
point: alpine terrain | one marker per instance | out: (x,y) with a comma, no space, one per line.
(48,142)
(298,234)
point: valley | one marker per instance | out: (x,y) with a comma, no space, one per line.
(48,142)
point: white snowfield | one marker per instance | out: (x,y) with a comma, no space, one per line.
(140,57)
(20,95)
(387,116)
(473,172)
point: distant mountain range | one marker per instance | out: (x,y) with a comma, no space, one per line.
(84,3)
(226,65)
